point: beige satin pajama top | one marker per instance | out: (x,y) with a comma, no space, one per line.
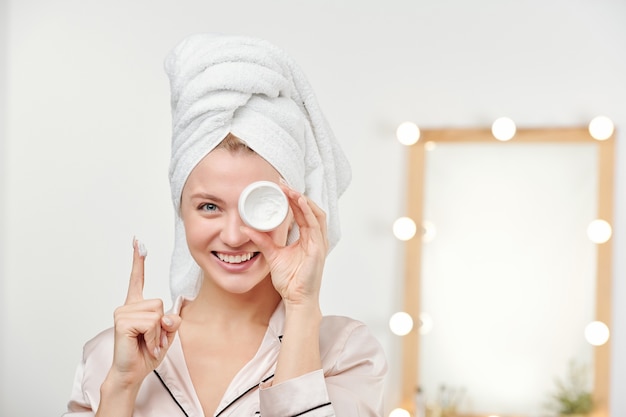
(349,384)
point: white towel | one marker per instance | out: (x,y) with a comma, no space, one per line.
(248,87)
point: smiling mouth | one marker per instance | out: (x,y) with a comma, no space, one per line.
(235,259)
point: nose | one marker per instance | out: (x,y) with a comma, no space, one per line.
(231,233)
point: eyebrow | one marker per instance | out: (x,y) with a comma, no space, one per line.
(205,196)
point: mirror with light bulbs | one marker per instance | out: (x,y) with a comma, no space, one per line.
(508,266)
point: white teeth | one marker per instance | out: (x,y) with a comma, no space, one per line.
(235,259)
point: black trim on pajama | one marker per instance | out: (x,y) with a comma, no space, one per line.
(170,392)
(311,409)
(223,409)
(244,393)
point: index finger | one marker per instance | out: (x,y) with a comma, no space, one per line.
(135,285)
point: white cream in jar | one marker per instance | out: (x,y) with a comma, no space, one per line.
(263,205)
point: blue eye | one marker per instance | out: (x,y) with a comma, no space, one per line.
(208,207)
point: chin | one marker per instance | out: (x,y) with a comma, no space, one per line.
(240,284)
(238,289)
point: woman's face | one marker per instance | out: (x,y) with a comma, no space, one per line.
(209,209)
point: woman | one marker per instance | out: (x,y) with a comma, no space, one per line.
(246,336)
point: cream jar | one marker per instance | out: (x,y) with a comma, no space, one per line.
(263,205)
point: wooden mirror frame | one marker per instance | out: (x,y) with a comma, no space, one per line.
(413,247)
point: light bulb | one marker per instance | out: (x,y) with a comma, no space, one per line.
(429,231)
(503,128)
(597,333)
(601,128)
(426,323)
(408,133)
(401,323)
(599,231)
(404,228)
(399,412)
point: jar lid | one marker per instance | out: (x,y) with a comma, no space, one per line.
(263,205)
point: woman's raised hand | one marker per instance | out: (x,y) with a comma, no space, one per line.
(296,272)
(297,269)
(142,332)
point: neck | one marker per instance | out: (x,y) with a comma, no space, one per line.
(215,306)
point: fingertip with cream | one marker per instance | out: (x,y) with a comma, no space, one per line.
(141,248)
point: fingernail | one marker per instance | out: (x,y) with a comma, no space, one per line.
(141,248)
(157,351)
(167,321)
(164,340)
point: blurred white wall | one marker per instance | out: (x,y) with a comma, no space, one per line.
(3,123)
(84,164)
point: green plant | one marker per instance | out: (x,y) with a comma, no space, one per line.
(572,395)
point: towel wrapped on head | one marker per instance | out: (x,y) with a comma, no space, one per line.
(224,84)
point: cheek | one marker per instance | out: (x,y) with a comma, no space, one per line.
(195,229)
